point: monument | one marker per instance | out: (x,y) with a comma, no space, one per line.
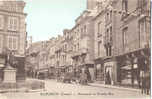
(9,72)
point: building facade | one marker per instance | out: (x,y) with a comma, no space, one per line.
(13,35)
(83,44)
(123,54)
(133,47)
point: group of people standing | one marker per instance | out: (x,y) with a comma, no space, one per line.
(83,76)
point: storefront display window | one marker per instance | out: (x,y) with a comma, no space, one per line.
(100,72)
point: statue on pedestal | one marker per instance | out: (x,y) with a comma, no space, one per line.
(9,71)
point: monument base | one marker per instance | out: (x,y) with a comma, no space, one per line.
(9,75)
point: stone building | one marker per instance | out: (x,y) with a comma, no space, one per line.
(43,63)
(59,55)
(68,62)
(132,43)
(83,43)
(13,35)
(119,49)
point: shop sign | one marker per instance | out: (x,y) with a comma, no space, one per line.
(109,64)
(1,65)
(98,66)
(127,67)
(135,66)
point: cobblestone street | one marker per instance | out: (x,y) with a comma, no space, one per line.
(59,90)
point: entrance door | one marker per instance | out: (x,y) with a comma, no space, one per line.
(108,75)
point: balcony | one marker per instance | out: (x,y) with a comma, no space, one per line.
(75,54)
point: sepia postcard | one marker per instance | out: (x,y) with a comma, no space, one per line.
(75,49)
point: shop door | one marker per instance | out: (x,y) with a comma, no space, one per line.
(108,74)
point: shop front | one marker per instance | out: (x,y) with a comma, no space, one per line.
(129,74)
(110,71)
(52,72)
(99,70)
(130,67)
(88,68)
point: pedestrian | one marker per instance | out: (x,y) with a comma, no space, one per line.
(108,78)
(142,81)
(145,78)
(88,75)
(147,82)
(83,78)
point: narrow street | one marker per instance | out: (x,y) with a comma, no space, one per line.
(58,90)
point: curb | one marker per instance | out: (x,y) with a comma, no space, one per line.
(114,87)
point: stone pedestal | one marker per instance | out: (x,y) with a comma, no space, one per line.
(9,75)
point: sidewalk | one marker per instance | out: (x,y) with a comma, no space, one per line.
(115,87)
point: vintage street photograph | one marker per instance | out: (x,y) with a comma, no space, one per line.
(75,49)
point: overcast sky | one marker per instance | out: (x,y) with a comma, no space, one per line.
(48,18)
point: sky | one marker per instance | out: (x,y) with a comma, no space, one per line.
(48,18)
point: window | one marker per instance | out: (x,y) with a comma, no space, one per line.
(109,50)
(106,51)
(142,3)
(81,30)
(107,34)
(125,36)
(110,15)
(12,23)
(65,47)
(125,5)
(12,43)
(99,48)
(85,29)
(1,22)
(78,46)
(142,32)
(142,6)
(99,28)
(1,42)
(107,17)
(110,33)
